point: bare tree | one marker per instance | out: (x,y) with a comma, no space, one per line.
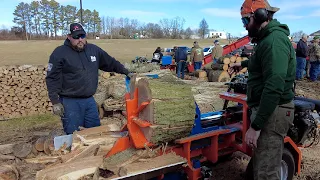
(103,25)
(188,33)
(298,34)
(177,27)
(203,28)
(166,27)
(153,30)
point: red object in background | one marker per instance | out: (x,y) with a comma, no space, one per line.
(226,50)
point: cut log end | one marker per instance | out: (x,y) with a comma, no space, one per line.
(22,150)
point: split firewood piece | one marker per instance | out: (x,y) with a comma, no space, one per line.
(233,59)
(43,159)
(112,162)
(224,77)
(77,169)
(39,145)
(87,152)
(225,67)
(238,59)
(48,146)
(152,163)
(105,75)
(226,60)
(243,70)
(104,149)
(6,157)
(22,150)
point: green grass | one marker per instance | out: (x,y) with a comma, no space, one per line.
(37,52)
(30,122)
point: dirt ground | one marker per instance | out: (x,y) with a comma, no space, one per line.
(124,50)
(28,129)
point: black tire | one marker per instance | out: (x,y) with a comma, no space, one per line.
(287,157)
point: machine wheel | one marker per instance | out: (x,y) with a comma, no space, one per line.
(287,167)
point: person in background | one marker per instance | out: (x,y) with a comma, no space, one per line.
(157,56)
(196,56)
(72,79)
(181,56)
(216,52)
(308,61)
(314,54)
(301,55)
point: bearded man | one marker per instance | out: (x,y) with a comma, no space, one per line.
(272,70)
(72,79)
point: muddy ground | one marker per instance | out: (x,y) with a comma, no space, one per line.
(232,168)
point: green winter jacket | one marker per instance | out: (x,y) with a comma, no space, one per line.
(271,71)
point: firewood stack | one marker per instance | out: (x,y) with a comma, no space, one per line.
(227,61)
(23,91)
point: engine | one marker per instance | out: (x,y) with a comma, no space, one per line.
(304,130)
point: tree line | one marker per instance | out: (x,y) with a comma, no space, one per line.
(47,19)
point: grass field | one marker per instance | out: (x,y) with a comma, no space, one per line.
(124,50)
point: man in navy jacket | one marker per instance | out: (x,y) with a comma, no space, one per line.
(301,55)
(72,79)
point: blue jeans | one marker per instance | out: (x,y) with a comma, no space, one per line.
(301,66)
(197,65)
(79,112)
(215,61)
(180,69)
(314,70)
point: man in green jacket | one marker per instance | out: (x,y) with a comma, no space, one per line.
(269,87)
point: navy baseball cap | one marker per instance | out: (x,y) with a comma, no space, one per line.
(76,29)
(215,41)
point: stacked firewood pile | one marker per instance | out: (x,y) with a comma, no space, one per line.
(23,91)
(220,72)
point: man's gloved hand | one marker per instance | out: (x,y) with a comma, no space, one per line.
(130,75)
(58,109)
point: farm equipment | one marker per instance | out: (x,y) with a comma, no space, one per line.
(217,134)
(226,50)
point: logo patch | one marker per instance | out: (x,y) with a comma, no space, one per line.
(50,65)
(288,113)
(93,58)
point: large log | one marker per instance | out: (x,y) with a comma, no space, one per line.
(22,150)
(6,148)
(213,75)
(171,110)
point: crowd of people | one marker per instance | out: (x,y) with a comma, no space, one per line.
(308,59)
(180,56)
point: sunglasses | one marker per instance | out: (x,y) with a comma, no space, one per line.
(245,21)
(82,36)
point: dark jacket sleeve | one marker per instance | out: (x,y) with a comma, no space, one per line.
(54,78)
(302,49)
(245,63)
(110,64)
(176,56)
(275,66)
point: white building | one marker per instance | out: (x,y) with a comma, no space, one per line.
(218,34)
